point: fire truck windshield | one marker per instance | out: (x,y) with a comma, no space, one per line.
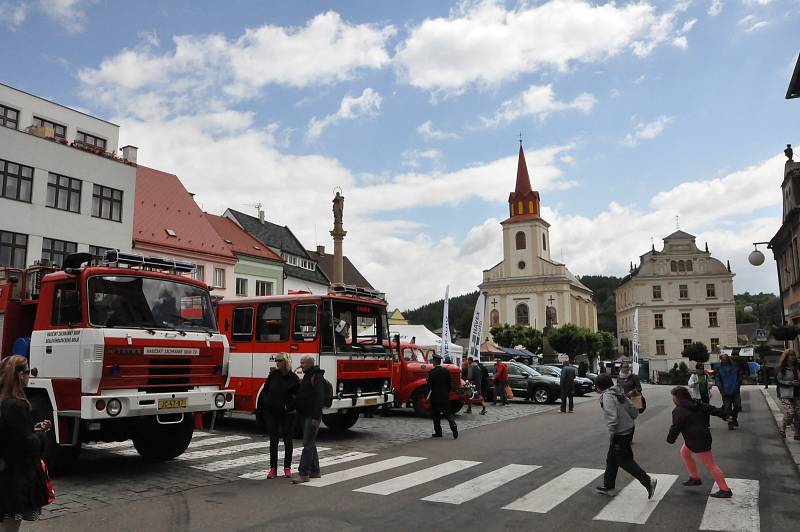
(355,327)
(148,303)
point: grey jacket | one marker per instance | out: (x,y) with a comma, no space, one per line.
(474,375)
(618,411)
(786,390)
(567,380)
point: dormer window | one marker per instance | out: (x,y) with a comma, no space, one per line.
(228,241)
(171,232)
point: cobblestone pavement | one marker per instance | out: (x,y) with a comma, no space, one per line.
(113,473)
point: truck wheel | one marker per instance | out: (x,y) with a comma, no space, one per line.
(340,422)
(422,406)
(60,459)
(456,406)
(154,441)
(541,395)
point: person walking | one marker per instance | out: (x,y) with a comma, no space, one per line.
(690,419)
(619,414)
(439,387)
(729,380)
(788,376)
(308,404)
(699,385)
(475,376)
(22,441)
(567,385)
(278,399)
(500,381)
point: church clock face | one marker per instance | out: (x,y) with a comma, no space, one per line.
(521,265)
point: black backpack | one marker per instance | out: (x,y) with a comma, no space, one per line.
(328,392)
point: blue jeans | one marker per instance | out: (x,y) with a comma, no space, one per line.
(309,460)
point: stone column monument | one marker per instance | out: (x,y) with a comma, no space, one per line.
(338,235)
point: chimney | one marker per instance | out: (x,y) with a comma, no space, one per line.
(261,215)
(320,250)
(129,153)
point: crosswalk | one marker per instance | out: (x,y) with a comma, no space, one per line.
(371,475)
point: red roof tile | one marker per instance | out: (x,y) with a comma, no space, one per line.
(240,241)
(162,204)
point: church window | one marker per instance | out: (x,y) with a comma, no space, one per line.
(523,316)
(544,241)
(681,266)
(519,208)
(689,266)
(530,207)
(494,317)
(520,240)
(673,266)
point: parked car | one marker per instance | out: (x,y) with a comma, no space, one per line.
(528,383)
(582,384)
(591,376)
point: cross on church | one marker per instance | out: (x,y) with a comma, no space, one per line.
(494,302)
(551,300)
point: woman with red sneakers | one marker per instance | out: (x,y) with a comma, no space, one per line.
(278,399)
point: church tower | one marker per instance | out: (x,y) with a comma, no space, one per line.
(526,235)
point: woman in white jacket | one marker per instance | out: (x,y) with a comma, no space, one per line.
(700,385)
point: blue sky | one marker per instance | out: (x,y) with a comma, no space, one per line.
(631,113)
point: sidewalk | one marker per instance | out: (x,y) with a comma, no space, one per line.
(792,445)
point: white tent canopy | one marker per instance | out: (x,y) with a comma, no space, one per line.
(424,337)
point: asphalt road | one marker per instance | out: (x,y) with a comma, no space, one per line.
(495,465)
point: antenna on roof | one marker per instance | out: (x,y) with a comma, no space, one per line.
(677,223)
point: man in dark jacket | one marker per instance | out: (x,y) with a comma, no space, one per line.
(475,376)
(439,385)
(309,403)
(567,384)
(729,380)
(277,408)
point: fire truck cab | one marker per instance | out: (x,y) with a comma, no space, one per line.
(410,380)
(126,349)
(343,330)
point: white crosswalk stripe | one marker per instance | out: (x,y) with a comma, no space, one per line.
(195,444)
(361,471)
(739,513)
(129,443)
(323,462)
(472,489)
(410,480)
(631,505)
(556,491)
(231,463)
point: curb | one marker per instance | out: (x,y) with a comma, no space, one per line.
(792,445)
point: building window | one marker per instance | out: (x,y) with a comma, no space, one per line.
(57,250)
(683,291)
(494,317)
(523,316)
(59,131)
(658,321)
(714,345)
(16,181)
(98,251)
(264,288)
(689,266)
(686,343)
(657,291)
(660,347)
(199,273)
(711,290)
(681,266)
(520,236)
(64,193)
(712,319)
(241,286)
(273,322)
(13,249)
(673,266)
(544,241)
(91,140)
(686,319)
(107,203)
(9,117)
(219,278)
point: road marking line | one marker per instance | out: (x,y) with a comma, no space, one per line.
(472,489)
(361,471)
(324,462)
(129,443)
(195,444)
(231,463)
(549,495)
(739,513)
(631,504)
(393,485)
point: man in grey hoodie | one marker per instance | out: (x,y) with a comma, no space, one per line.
(619,414)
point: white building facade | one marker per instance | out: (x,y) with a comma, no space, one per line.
(61,190)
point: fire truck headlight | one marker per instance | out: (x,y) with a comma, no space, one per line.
(358,392)
(219,400)
(114,407)
(341,387)
(385,385)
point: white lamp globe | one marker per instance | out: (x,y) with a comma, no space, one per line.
(756,258)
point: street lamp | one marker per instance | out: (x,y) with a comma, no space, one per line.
(756,258)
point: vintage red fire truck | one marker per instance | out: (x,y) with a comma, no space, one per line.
(344,330)
(126,349)
(410,379)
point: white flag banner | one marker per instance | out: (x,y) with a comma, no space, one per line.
(445,349)
(476,331)
(635,343)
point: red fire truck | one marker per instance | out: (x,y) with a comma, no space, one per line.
(126,349)
(411,367)
(344,330)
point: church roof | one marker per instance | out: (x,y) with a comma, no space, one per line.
(523,186)
(679,235)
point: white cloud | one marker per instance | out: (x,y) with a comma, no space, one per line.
(366,104)
(203,71)
(715,8)
(647,130)
(483,43)
(539,101)
(757,2)
(428,132)
(69,14)
(414,158)
(757,26)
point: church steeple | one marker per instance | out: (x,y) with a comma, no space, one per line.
(523,203)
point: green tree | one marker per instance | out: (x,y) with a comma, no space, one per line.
(602,287)
(513,335)
(608,347)
(697,352)
(568,339)
(766,309)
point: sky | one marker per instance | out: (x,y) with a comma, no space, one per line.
(636,118)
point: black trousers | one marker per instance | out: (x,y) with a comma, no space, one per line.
(567,395)
(280,425)
(439,409)
(619,455)
(732,404)
(500,389)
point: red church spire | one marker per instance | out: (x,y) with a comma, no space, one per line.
(523,203)
(523,180)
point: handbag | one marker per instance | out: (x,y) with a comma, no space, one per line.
(509,392)
(45,491)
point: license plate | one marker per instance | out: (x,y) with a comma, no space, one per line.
(371,401)
(164,404)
